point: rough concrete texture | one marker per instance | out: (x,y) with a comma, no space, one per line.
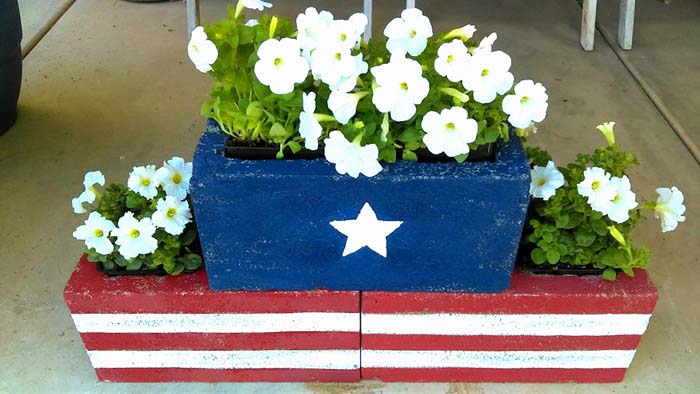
(110,87)
(36,15)
(665,51)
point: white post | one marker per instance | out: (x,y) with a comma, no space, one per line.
(192,15)
(410,4)
(368,13)
(625,28)
(588,24)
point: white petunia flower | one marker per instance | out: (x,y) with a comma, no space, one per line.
(281,65)
(142,181)
(452,60)
(331,64)
(669,208)
(175,176)
(311,26)
(309,128)
(528,104)
(202,52)
(93,178)
(400,87)
(360,21)
(486,43)
(487,75)
(408,34)
(172,215)
(344,105)
(450,132)
(618,209)
(252,23)
(348,82)
(134,237)
(256,4)
(90,193)
(597,187)
(608,131)
(464,33)
(351,158)
(85,197)
(341,34)
(545,181)
(95,233)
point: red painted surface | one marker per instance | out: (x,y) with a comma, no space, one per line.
(543,375)
(550,294)
(528,294)
(497,342)
(225,375)
(210,341)
(90,291)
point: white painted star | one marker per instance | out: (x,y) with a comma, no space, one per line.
(366,230)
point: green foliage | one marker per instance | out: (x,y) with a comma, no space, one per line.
(175,253)
(565,229)
(249,112)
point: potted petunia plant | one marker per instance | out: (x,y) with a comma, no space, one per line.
(582,215)
(143,227)
(311,125)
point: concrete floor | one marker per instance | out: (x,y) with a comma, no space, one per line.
(110,86)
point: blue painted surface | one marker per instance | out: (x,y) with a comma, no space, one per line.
(264,225)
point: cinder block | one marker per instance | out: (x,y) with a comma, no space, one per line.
(265,224)
(170,329)
(542,329)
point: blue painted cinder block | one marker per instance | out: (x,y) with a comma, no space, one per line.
(265,224)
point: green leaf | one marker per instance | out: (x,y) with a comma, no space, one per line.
(609,274)
(133,265)
(187,237)
(538,256)
(552,256)
(191,261)
(108,265)
(408,155)
(294,146)
(562,221)
(584,238)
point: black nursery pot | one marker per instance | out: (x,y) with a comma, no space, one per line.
(232,151)
(10,62)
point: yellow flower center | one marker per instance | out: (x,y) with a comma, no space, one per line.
(450,126)
(541,182)
(485,72)
(450,58)
(177,178)
(145,181)
(595,185)
(524,100)
(343,36)
(99,233)
(617,198)
(171,212)
(134,233)
(278,61)
(404,86)
(338,56)
(413,33)
(195,48)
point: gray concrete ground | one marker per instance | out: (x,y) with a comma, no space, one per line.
(110,87)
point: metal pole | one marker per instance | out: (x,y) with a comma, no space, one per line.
(192,15)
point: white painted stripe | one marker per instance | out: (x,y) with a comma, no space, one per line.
(501,360)
(473,324)
(241,359)
(217,323)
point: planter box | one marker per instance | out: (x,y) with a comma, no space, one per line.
(543,329)
(168,329)
(265,225)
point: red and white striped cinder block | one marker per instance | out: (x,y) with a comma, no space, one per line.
(543,329)
(158,329)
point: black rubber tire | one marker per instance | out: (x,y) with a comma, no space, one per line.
(10,62)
